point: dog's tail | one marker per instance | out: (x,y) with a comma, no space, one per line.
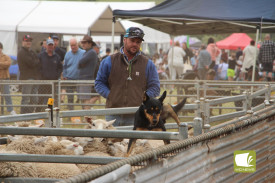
(179,106)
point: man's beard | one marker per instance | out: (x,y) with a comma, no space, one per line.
(130,52)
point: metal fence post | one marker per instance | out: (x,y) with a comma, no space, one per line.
(59,94)
(206,111)
(267,95)
(197,126)
(57,117)
(245,102)
(183,131)
(206,128)
(198,111)
(202,109)
(48,122)
(2,99)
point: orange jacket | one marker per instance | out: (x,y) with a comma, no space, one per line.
(5,63)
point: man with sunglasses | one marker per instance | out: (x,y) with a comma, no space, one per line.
(124,77)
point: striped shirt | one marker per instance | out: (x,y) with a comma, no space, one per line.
(267,52)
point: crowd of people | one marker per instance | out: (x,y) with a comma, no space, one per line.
(124,76)
(54,63)
(231,65)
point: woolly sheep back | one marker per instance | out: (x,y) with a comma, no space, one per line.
(56,170)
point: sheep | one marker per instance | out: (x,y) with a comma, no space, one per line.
(16,169)
(74,146)
(96,146)
(44,145)
(114,146)
(140,146)
(86,167)
(83,141)
(26,145)
(56,170)
(118,149)
(100,124)
(39,123)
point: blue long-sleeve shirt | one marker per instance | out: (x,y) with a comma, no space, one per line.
(70,66)
(102,86)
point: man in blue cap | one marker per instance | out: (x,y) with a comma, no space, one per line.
(51,69)
(124,77)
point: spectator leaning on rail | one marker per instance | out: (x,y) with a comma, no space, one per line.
(51,69)
(124,77)
(70,68)
(87,67)
(29,65)
(5,63)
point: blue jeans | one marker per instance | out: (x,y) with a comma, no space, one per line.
(8,97)
(29,100)
(121,120)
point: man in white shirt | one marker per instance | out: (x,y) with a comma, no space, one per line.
(250,54)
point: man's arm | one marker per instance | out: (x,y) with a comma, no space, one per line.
(59,66)
(101,82)
(153,84)
(86,58)
(66,59)
(6,62)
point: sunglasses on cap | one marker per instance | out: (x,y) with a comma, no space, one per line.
(134,32)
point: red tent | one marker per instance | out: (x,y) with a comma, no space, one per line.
(234,41)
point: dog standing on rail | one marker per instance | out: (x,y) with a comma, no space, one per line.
(152,115)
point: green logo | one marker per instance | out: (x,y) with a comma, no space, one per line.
(245,161)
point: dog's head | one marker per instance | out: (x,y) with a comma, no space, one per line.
(152,108)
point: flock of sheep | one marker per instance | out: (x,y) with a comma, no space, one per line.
(52,145)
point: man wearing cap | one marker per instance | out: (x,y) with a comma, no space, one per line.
(29,65)
(51,69)
(60,51)
(87,66)
(124,77)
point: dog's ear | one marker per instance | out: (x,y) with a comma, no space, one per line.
(161,99)
(145,97)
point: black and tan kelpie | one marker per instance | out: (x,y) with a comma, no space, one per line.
(152,115)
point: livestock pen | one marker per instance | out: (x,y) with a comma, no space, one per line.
(205,157)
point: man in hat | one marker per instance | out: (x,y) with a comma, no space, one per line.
(29,65)
(124,77)
(51,69)
(87,66)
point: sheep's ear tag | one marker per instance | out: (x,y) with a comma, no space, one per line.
(50,101)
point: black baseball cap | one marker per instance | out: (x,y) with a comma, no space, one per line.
(27,37)
(134,32)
